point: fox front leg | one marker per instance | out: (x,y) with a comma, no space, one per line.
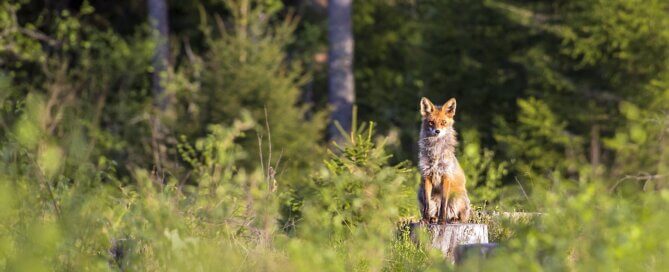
(445,194)
(427,196)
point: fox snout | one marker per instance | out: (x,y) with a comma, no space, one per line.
(433,131)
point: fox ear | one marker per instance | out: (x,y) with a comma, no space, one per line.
(449,107)
(426,106)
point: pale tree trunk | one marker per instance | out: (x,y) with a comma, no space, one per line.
(595,149)
(158,19)
(341,92)
(663,162)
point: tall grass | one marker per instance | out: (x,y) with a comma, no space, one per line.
(59,213)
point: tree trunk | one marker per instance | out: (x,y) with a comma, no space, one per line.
(158,19)
(341,93)
(595,149)
(662,181)
(447,237)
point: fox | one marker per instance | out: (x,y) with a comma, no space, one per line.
(442,195)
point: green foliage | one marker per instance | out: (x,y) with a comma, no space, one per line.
(387,44)
(484,174)
(50,223)
(644,133)
(245,68)
(470,52)
(349,207)
(594,59)
(539,140)
(588,229)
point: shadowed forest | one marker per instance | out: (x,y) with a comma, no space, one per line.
(268,135)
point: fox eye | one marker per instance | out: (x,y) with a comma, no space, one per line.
(443,123)
(430,123)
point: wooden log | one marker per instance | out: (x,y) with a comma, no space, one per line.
(446,237)
(513,216)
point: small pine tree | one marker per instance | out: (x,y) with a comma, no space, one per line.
(246,68)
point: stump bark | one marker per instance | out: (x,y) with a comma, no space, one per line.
(446,237)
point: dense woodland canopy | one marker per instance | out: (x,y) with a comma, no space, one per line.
(563,108)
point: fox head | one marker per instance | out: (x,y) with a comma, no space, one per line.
(437,121)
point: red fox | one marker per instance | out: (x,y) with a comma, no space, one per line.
(442,195)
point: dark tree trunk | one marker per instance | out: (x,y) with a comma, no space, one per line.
(158,19)
(341,93)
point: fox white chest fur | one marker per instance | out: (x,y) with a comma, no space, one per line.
(437,156)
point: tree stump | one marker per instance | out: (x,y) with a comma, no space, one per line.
(446,237)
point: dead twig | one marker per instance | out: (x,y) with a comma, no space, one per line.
(645,177)
(262,161)
(269,143)
(522,189)
(39,36)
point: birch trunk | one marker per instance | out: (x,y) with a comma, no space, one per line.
(158,20)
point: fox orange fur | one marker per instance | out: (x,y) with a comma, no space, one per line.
(442,195)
